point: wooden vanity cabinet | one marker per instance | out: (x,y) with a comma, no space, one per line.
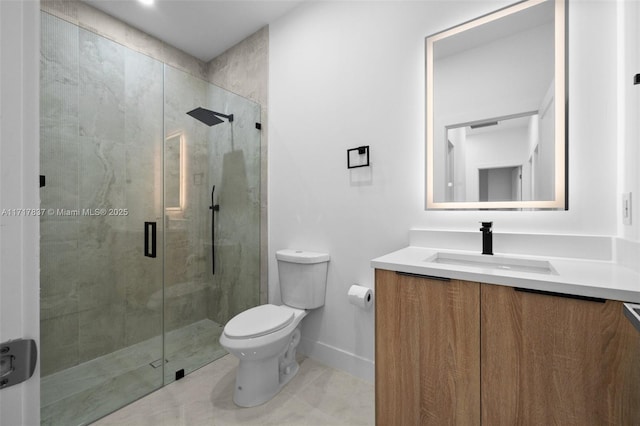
(464,353)
(427,351)
(548,359)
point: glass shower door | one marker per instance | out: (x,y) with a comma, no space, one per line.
(129,297)
(212,218)
(101,153)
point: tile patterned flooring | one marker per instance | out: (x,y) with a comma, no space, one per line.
(317,395)
(80,394)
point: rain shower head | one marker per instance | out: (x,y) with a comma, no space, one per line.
(208,117)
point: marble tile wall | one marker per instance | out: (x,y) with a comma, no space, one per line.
(187,230)
(98,22)
(101,146)
(228,156)
(234,164)
(101,150)
(59,162)
(98,295)
(244,69)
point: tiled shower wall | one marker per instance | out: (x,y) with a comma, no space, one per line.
(227,156)
(242,69)
(102,300)
(101,141)
(98,22)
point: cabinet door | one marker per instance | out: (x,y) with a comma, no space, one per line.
(427,351)
(551,360)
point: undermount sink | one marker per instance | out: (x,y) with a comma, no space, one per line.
(493,262)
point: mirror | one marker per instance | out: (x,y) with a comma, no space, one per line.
(496,111)
(173,171)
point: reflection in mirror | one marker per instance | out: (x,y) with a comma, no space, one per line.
(520,173)
(173,172)
(495,111)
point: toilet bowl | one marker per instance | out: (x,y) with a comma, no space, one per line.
(265,338)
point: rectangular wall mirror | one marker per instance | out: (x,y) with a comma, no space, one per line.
(496,110)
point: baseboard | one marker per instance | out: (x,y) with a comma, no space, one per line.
(339,359)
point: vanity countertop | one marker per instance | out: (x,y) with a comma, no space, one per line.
(592,278)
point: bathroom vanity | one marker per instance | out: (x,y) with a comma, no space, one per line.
(484,344)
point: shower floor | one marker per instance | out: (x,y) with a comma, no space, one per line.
(81,394)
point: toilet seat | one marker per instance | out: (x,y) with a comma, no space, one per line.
(259,321)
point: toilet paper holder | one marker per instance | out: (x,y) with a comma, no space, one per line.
(360,296)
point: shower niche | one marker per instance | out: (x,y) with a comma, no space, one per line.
(116,140)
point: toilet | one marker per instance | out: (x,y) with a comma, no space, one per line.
(265,338)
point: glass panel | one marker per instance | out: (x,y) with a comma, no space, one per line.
(122,159)
(101,153)
(234,159)
(201,296)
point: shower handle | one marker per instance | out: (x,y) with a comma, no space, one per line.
(214,208)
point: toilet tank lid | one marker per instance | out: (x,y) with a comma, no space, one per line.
(301,256)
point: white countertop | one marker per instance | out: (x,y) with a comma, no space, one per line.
(593,278)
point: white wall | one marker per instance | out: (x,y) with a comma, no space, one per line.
(344,74)
(628,55)
(629,105)
(19,148)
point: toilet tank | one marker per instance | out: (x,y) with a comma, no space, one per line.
(303,278)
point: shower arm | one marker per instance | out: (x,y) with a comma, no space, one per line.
(228,117)
(214,208)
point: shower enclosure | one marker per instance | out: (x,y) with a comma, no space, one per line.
(129,299)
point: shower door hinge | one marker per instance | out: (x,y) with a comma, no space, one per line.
(42,181)
(180,374)
(259,126)
(17,361)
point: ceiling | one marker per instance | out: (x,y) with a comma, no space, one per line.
(202,28)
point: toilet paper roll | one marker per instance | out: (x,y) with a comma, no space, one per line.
(360,296)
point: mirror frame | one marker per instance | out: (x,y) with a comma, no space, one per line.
(560,202)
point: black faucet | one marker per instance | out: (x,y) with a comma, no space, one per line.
(487,238)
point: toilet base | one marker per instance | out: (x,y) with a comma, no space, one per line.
(257,381)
